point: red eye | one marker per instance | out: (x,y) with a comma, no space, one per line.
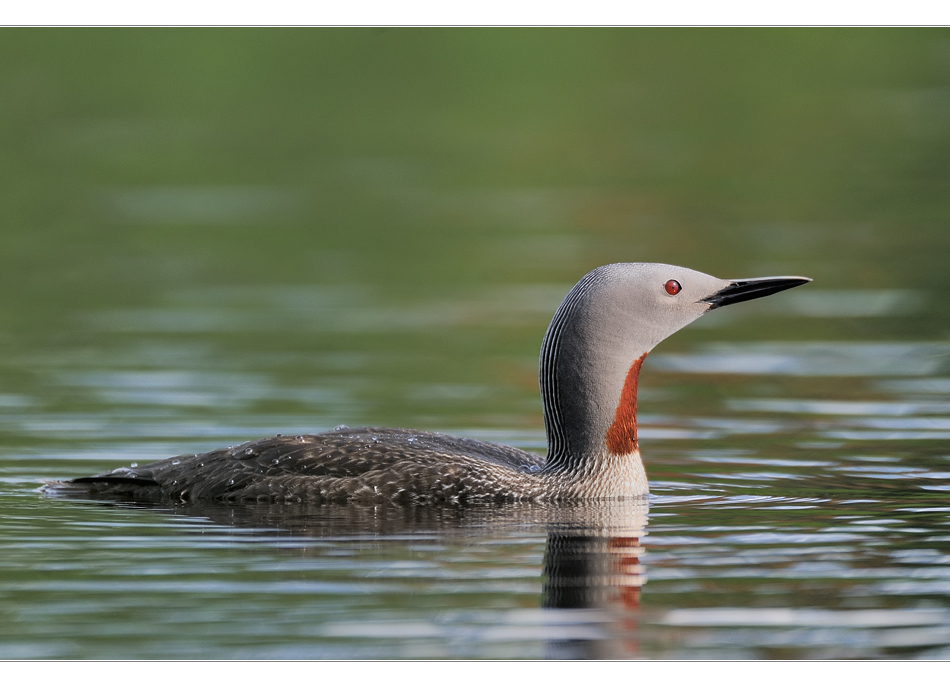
(672,287)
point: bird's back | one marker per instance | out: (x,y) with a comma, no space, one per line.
(358,465)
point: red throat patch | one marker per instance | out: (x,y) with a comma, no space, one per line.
(622,435)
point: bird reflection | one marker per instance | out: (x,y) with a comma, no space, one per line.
(592,575)
(593,563)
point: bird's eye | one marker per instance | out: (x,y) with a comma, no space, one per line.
(672,287)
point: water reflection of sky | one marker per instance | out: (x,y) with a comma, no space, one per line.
(812,358)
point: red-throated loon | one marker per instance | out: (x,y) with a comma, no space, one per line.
(590,363)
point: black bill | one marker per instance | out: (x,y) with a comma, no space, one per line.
(747,289)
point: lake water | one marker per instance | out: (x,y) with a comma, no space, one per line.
(209,237)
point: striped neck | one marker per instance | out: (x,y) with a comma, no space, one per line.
(589,370)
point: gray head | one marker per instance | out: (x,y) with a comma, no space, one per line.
(611,319)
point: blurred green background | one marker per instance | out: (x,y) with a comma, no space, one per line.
(365,210)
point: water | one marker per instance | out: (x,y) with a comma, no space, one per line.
(226,235)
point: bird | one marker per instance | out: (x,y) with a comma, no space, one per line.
(590,361)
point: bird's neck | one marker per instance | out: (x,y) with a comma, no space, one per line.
(621,438)
(589,375)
